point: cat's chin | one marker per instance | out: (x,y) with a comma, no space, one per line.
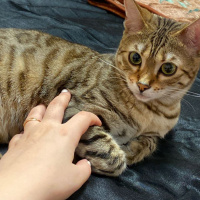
(142,97)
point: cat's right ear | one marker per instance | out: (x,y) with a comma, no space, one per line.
(136,17)
(190,36)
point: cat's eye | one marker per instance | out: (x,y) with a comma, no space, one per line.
(135,58)
(168,69)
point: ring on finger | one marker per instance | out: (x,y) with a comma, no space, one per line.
(30,119)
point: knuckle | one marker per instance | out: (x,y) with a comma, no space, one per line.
(54,102)
(87,116)
(59,100)
(37,109)
(34,110)
(14,139)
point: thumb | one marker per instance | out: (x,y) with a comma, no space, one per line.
(84,172)
(14,140)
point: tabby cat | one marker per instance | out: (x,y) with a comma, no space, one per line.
(136,93)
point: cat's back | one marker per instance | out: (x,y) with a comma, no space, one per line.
(33,67)
(20,42)
(29,57)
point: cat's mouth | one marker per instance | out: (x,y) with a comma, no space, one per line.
(140,96)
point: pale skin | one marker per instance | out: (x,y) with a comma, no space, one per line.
(38,164)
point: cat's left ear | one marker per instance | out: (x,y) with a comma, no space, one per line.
(190,36)
(136,16)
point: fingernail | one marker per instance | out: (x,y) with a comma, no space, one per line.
(89,162)
(64,90)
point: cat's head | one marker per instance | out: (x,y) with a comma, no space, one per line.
(160,57)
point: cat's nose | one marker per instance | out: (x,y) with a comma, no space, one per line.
(142,87)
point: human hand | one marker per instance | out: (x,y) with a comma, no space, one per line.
(38,164)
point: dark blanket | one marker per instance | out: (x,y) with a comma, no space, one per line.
(173,172)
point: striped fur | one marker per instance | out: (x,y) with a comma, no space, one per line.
(35,67)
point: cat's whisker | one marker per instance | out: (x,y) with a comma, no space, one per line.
(184,92)
(178,89)
(190,92)
(113,49)
(192,95)
(109,64)
(188,103)
(169,95)
(184,101)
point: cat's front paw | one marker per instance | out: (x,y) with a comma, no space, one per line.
(104,154)
(139,148)
(111,163)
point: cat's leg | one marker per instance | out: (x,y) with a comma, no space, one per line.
(139,148)
(102,151)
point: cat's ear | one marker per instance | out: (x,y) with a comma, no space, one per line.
(190,36)
(136,16)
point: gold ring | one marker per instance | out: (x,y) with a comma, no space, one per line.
(31,119)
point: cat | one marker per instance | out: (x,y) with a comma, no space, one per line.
(136,93)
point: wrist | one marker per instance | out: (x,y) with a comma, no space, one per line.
(19,187)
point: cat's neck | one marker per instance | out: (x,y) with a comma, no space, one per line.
(167,102)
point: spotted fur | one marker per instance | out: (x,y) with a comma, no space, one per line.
(35,67)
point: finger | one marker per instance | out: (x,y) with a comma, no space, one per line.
(79,124)
(14,140)
(55,110)
(36,113)
(83,168)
